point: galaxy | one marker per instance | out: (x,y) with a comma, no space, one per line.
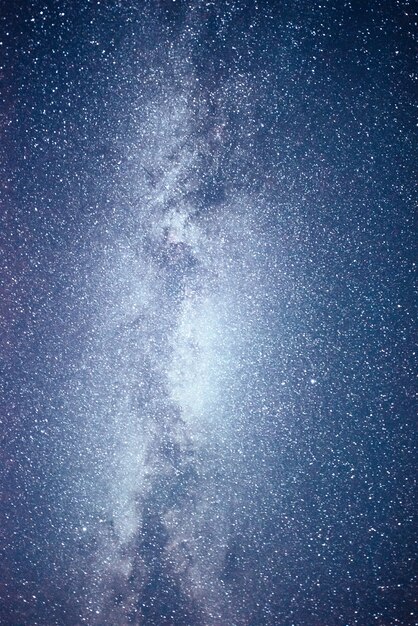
(207,310)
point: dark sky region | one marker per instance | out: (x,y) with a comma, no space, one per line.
(208,255)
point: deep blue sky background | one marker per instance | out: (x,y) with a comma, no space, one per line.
(325,137)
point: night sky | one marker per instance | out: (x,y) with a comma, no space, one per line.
(207,263)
